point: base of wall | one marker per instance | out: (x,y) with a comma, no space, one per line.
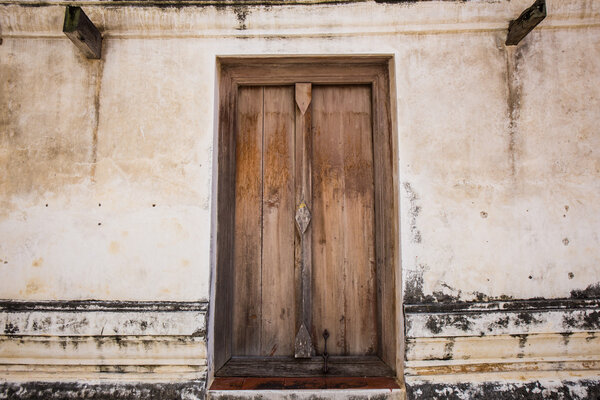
(342,394)
(191,390)
(545,389)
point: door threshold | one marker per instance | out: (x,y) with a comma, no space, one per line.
(307,383)
(306,388)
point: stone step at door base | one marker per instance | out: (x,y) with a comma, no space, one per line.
(338,388)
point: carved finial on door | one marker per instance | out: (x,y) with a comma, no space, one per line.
(302,217)
(303,346)
(303,96)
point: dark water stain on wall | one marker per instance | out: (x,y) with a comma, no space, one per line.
(107,391)
(591,292)
(536,390)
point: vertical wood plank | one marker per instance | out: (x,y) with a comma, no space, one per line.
(386,217)
(248,222)
(343,258)
(358,221)
(278,204)
(225,222)
(328,188)
(304,341)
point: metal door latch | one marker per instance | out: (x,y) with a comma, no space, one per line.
(325,355)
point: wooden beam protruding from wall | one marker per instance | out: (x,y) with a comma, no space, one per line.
(529,19)
(82,32)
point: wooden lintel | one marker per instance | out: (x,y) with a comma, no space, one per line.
(82,32)
(529,19)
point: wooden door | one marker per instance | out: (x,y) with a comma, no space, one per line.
(304,149)
(306,237)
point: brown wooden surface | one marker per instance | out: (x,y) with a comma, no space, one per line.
(247,295)
(296,383)
(278,300)
(318,70)
(82,32)
(303,148)
(293,367)
(344,294)
(386,222)
(224,277)
(529,19)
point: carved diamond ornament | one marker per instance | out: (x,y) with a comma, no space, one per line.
(302,217)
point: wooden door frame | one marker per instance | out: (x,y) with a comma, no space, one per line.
(371,70)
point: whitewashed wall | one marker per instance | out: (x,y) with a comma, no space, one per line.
(107,167)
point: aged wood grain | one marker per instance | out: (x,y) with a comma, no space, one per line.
(291,367)
(303,96)
(278,204)
(344,254)
(304,344)
(248,222)
(386,217)
(235,72)
(82,32)
(224,277)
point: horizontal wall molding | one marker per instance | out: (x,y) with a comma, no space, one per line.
(502,318)
(551,387)
(451,355)
(102,305)
(211,19)
(103,318)
(521,336)
(516,305)
(189,390)
(109,340)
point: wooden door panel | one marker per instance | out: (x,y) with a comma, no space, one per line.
(264,302)
(247,286)
(344,271)
(278,286)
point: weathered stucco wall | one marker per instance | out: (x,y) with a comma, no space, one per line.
(107,167)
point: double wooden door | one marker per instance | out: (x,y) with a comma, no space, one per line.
(304,242)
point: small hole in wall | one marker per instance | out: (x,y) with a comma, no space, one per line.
(99,204)
(99,223)
(571,275)
(153,205)
(46,205)
(530,277)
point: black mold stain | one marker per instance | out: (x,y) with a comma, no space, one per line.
(591,336)
(10,329)
(582,320)
(591,292)
(567,390)
(436,323)
(413,212)
(522,343)
(241,13)
(527,318)
(500,323)
(448,348)
(102,305)
(533,305)
(566,337)
(114,391)
(413,290)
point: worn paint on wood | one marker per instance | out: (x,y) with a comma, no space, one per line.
(247,308)
(343,222)
(277,296)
